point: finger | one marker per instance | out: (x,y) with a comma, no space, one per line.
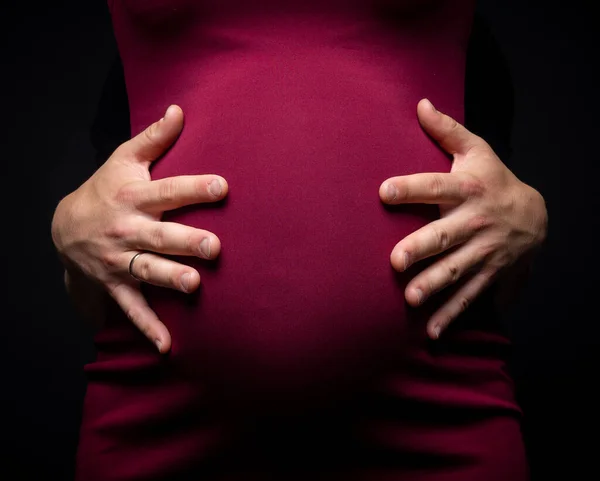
(459,302)
(430,188)
(175,192)
(154,141)
(443,273)
(453,137)
(134,305)
(172,238)
(436,237)
(158,271)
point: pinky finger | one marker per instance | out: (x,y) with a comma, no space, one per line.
(459,302)
(134,305)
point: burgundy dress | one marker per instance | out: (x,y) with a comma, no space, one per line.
(298,358)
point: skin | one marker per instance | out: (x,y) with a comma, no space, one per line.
(490,225)
(116,213)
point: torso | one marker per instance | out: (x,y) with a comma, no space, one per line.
(305,108)
(298,358)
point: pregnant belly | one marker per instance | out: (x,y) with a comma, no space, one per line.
(302,301)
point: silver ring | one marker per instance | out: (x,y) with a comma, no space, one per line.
(131,266)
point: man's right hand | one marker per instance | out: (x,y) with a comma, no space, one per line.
(116,213)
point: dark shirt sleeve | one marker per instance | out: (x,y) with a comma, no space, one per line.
(489,98)
(111,126)
(489,94)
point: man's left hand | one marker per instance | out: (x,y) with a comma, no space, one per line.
(489,222)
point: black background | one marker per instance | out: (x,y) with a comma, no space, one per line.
(55,57)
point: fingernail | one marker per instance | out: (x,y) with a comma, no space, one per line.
(406,260)
(392,192)
(419,296)
(158,344)
(437,330)
(185,281)
(205,247)
(215,187)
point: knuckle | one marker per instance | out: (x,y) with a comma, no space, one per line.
(144,268)
(486,251)
(192,243)
(463,303)
(479,222)
(472,187)
(510,202)
(151,133)
(490,272)
(451,126)
(452,123)
(431,288)
(156,238)
(441,236)
(110,261)
(454,272)
(436,185)
(200,188)
(507,258)
(133,314)
(127,194)
(119,229)
(167,191)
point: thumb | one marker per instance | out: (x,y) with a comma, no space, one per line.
(154,141)
(453,137)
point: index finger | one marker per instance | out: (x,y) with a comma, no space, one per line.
(175,192)
(429,188)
